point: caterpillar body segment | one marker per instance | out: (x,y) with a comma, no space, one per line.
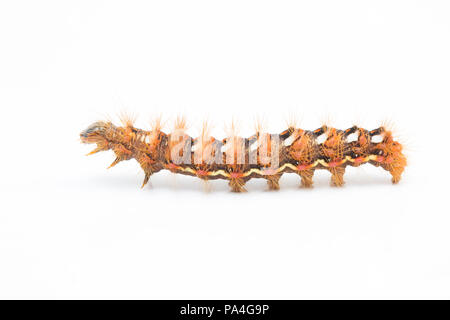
(239,159)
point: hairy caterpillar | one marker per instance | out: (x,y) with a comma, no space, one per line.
(239,159)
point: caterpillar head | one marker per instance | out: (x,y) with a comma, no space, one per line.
(95,132)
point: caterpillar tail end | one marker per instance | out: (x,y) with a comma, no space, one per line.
(397,170)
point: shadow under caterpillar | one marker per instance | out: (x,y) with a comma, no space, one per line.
(262,155)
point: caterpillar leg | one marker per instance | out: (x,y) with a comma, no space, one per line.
(147,165)
(337,176)
(307,178)
(122,153)
(100,147)
(146,178)
(273,182)
(237,185)
(116,161)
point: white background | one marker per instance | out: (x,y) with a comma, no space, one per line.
(69,228)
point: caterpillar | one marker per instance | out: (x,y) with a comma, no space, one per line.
(263,155)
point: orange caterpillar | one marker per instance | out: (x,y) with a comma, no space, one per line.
(239,159)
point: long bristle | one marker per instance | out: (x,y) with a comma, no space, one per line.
(156,123)
(260,125)
(206,131)
(180,123)
(204,152)
(232,130)
(327,120)
(388,125)
(127,118)
(293,120)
